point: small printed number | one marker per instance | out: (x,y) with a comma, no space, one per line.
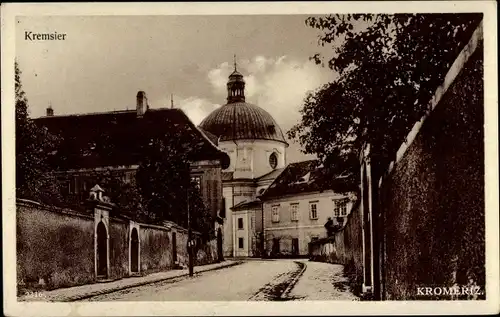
(35,294)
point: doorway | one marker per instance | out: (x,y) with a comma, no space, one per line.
(276,246)
(102,250)
(295,246)
(134,250)
(174,247)
(220,254)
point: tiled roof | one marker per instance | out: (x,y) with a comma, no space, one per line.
(256,203)
(210,136)
(241,120)
(271,175)
(227,176)
(118,137)
(300,177)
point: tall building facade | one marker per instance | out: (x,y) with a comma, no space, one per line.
(256,147)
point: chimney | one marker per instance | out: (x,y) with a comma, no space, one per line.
(50,111)
(142,103)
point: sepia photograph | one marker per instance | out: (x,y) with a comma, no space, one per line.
(315,154)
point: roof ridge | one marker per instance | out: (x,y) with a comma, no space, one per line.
(87,114)
(287,176)
(303,162)
(104,113)
(274,170)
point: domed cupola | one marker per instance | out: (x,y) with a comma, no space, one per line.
(235,87)
(238,119)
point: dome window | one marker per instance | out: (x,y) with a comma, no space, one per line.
(273,160)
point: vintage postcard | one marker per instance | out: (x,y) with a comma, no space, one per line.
(302,158)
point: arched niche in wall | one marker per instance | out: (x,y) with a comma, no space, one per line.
(134,248)
(101,240)
(102,250)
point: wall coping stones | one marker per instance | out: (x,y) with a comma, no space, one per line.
(69,212)
(450,77)
(147,225)
(166,226)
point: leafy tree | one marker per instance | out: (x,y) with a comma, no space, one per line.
(389,67)
(164,181)
(125,195)
(200,216)
(34,179)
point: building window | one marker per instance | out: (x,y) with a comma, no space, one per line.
(275,213)
(340,208)
(294,212)
(197,181)
(240,243)
(273,160)
(240,223)
(128,177)
(313,210)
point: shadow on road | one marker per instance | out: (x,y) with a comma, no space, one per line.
(274,290)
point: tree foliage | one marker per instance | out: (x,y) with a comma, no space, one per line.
(164,181)
(123,194)
(34,179)
(389,67)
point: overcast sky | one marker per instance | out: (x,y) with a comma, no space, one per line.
(105,60)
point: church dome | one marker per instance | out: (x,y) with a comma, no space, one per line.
(237,119)
(242,120)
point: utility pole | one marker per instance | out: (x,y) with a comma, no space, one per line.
(190,234)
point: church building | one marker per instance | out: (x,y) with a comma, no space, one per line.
(257,150)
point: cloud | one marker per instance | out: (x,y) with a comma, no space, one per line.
(218,76)
(196,108)
(278,85)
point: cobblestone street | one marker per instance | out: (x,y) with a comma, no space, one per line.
(322,281)
(253,280)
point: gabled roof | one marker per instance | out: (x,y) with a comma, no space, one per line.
(119,137)
(301,177)
(271,175)
(244,205)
